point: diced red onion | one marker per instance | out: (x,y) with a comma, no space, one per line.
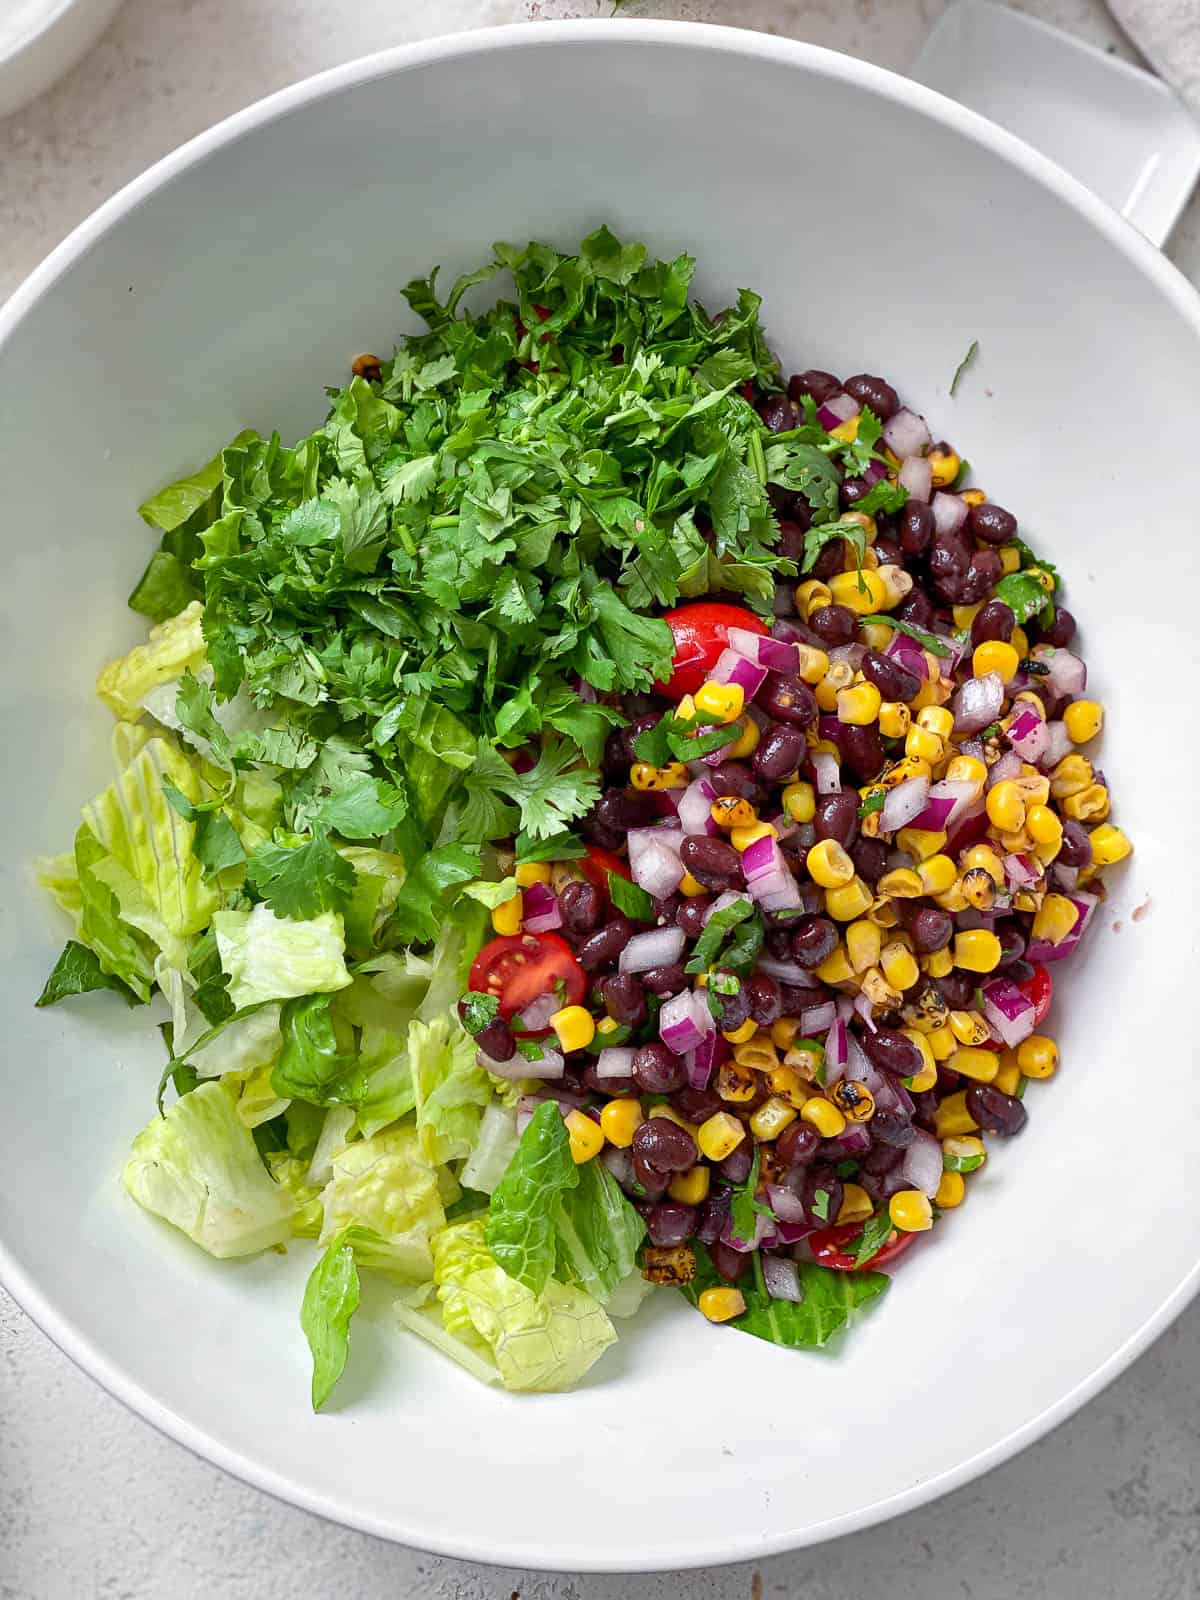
(904,804)
(854,1140)
(873,471)
(908,653)
(1011,1014)
(777,891)
(728,897)
(685,1021)
(1058,745)
(762,1232)
(859,1066)
(615,1061)
(862,1004)
(817,1019)
(947,801)
(775,654)
(781,1276)
(906,434)
(695,806)
(654,859)
(541,912)
(837,1051)
(1065,877)
(969,826)
(761,857)
(978,703)
(1021,870)
(1068,674)
(786,1203)
(852,654)
(949,512)
(922,1163)
(845,1008)
(1043,950)
(837,409)
(1007,766)
(788,972)
(704,1059)
(551,1065)
(661,947)
(619,1162)
(732,667)
(528,1104)
(535,1016)
(827,772)
(916,475)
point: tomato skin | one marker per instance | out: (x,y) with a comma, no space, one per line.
(521,967)
(1040,989)
(826,1246)
(597,865)
(701,632)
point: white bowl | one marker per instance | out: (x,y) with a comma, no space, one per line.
(887,228)
(41,40)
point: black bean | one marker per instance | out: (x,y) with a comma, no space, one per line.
(624,999)
(763,993)
(622,809)
(1076,848)
(831,560)
(780,750)
(992,523)
(732,1009)
(870,859)
(892,1052)
(788,698)
(658,1070)
(671,1222)
(836,817)
(916,528)
(930,930)
(957,990)
(711,861)
(875,392)
(994,620)
(732,778)
(1012,943)
(778,942)
(822,1195)
(601,949)
(891,1129)
(894,681)
(797,1145)
(916,607)
(651,1182)
(779,414)
(852,491)
(711,1219)
(861,750)
(820,385)
(995,1111)
(730,1263)
(889,552)
(692,914)
(664,1146)
(793,999)
(600,1083)
(1061,631)
(834,625)
(791,540)
(496,1040)
(735,1168)
(697,1105)
(581,906)
(983,574)
(813,939)
(664,981)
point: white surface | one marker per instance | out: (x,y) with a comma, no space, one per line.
(1168,33)
(1118,129)
(41,40)
(193,1536)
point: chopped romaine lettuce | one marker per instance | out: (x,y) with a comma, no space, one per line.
(330,1300)
(275,958)
(385,1185)
(173,648)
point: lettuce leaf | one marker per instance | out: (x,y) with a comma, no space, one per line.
(330,1301)
(495,1146)
(450,1089)
(121,950)
(78,971)
(540,1342)
(521,1222)
(173,648)
(246,1044)
(275,958)
(830,1300)
(386,1187)
(598,1233)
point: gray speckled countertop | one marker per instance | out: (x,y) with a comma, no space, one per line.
(92,1501)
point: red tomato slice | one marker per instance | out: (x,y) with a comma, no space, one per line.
(701,633)
(522,967)
(826,1246)
(597,865)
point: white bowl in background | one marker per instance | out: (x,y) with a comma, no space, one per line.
(41,40)
(887,229)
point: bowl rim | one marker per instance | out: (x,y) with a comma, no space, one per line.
(71,1339)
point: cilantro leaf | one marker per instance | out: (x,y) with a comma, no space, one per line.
(745,1207)
(816,538)
(928,641)
(1023,594)
(364,809)
(301,881)
(478,1011)
(78,971)
(716,930)
(877,1230)
(629,898)
(561,847)
(416,916)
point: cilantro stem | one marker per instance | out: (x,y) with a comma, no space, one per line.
(930,641)
(758,459)
(964,364)
(443,522)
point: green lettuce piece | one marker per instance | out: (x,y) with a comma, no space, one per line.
(276,958)
(59,877)
(540,1342)
(598,1233)
(828,1303)
(291,1173)
(258,1100)
(524,1210)
(120,949)
(418,1315)
(78,971)
(627,1297)
(244,1045)
(167,587)
(379,877)
(386,1187)
(459,1250)
(336,1130)
(330,1301)
(495,1146)
(173,648)
(198,1167)
(190,501)
(450,1089)
(310,1061)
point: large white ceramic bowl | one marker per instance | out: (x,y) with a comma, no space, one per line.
(887,229)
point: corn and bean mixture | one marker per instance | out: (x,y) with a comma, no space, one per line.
(817,960)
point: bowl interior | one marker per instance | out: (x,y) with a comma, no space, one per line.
(886,231)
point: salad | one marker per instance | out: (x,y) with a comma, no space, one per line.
(591,816)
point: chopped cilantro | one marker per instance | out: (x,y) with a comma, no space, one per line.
(966,361)
(820,1204)
(875,801)
(562,847)
(876,1233)
(630,898)
(478,1011)
(928,641)
(716,930)
(745,1207)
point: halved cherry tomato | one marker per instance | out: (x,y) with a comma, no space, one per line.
(597,865)
(826,1246)
(701,633)
(1040,989)
(521,967)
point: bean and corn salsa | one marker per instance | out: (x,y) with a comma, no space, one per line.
(801,980)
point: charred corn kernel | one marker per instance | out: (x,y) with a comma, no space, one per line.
(800,802)
(939,963)
(691,887)
(620,1120)
(530,872)
(926,1010)
(721,701)
(952,1117)
(759,1053)
(965,1154)
(979,888)
(1019,640)
(899,965)
(964,616)
(936,719)
(642,775)
(784,1031)
(814,663)
(789,1085)
(1028,899)
(897,582)
(953,900)
(721,1305)
(1109,844)
(942,1043)
(1005,806)
(836,679)
(937,874)
(861,593)
(735,1082)
(900,771)
(945,463)
(506,918)
(910,1211)
(1055,919)
(672,1265)
(849,901)
(967,769)
(847,431)
(924,1078)
(836,967)
(968,1027)
(854,1100)
(859,705)
(978,1065)
(995,655)
(1008,1073)
(1034,785)
(1084,719)
(674,776)
(747,1031)
(863,944)
(1043,825)
(920,843)
(805,1060)
(829,865)
(1037,1056)
(895,720)
(856,1206)
(730,812)
(1010,559)
(743,838)
(928,1059)
(677,1117)
(1092,805)
(823,1115)
(923,744)
(746,742)
(771,1118)
(720,1136)
(879,991)
(585,1136)
(977,950)
(691,1187)
(811,596)
(1046,853)
(883,912)
(1071,776)
(575,1027)
(951,1191)
(982,855)
(901,884)
(1016,843)
(686,709)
